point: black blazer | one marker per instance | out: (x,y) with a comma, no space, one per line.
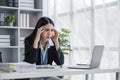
(32,55)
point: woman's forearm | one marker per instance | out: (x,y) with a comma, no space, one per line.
(56,45)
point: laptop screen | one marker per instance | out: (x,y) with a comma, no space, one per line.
(96,56)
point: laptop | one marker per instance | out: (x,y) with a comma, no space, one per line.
(95,61)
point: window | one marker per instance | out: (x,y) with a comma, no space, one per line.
(91,22)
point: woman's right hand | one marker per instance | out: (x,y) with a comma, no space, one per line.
(37,38)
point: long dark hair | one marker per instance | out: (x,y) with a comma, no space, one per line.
(41,22)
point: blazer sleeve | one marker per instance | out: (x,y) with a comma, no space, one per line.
(58,56)
(30,52)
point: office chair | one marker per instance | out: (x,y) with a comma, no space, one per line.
(0,57)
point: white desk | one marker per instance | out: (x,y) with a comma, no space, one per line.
(57,72)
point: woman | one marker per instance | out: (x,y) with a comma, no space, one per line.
(42,46)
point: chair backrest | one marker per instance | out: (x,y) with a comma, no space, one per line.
(0,57)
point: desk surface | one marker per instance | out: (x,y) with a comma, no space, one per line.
(54,72)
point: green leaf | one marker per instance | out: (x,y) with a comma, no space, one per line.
(10,19)
(64,40)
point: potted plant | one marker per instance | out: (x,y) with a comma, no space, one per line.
(10,20)
(64,40)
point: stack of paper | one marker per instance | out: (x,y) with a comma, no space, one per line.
(5,40)
(17,67)
(48,67)
(27,4)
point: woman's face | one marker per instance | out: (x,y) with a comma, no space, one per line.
(48,32)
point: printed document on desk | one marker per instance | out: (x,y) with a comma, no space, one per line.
(17,67)
(48,67)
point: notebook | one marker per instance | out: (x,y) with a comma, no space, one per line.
(17,67)
(95,61)
(48,66)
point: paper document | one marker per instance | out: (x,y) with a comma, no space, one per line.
(17,67)
(47,67)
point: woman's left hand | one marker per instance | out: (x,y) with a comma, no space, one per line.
(55,38)
(55,35)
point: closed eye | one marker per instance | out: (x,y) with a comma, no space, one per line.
(49,30)
(46,29)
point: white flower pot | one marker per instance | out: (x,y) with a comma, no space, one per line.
(10,23)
